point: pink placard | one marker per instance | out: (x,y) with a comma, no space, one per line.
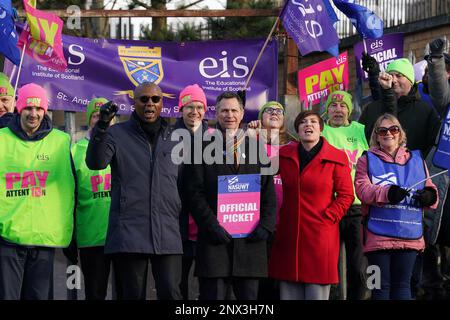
(42,38)
(322,78)
(238,214)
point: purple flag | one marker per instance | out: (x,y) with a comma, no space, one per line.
(309,24)
(113,68)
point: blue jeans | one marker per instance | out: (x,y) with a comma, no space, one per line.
(396,267)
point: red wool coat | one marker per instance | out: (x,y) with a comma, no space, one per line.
(306,245)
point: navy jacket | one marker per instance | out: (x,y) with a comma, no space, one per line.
(145,200)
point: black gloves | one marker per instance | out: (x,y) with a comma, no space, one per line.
(437,47)
(369,64)
(218,235)
(71,252)
(425,197)
(396,194)
(107,113)
(259,234)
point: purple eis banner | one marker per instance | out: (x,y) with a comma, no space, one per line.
(385,50)
(113,68)
(309,25)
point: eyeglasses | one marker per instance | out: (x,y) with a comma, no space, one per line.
(382,131)
(191,108)
(276,111)
(146,99)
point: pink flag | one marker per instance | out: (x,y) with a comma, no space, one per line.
(42,38)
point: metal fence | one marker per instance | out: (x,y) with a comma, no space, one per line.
(392,12)
(396,12)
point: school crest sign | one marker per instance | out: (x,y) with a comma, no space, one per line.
(142,64)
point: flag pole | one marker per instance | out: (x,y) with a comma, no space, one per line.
(13,72)
(20,67)
(260,53)
(365,45)
(430,177)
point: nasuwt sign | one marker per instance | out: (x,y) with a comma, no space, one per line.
(238,203)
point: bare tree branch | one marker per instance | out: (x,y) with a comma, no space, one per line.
(189,5)
(141,4)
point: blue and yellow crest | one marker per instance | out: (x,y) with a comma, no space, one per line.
(142,64)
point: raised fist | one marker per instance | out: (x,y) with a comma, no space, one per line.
(437,47)
(107,113)
(369,63)
(385,80)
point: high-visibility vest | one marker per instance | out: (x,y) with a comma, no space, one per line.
(352,140)
(402,220)
(93,201)
(36,190)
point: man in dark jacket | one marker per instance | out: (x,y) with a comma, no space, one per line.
(222,260)
(145,200)
(398,97)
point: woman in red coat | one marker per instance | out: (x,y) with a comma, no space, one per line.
(317,191)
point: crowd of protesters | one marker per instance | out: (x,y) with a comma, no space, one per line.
(119,199)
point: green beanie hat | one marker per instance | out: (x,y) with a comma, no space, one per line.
(340,96)
(93,106)
(6,88)
(269,104)
(402,66)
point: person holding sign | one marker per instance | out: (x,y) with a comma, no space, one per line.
(234,206)
(317,192)
(398,98)
(392,184)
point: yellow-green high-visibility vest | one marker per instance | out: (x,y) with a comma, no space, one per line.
(37,188)
(350,139)
(93,201)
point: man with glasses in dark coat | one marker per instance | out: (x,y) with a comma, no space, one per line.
(145,200)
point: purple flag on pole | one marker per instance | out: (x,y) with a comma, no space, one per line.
(308,23)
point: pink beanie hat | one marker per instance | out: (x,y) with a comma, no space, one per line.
(190,94)
(32,95)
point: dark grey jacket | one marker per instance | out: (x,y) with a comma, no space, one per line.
(439,84)
(145,202)
(239,258)
(437,222)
